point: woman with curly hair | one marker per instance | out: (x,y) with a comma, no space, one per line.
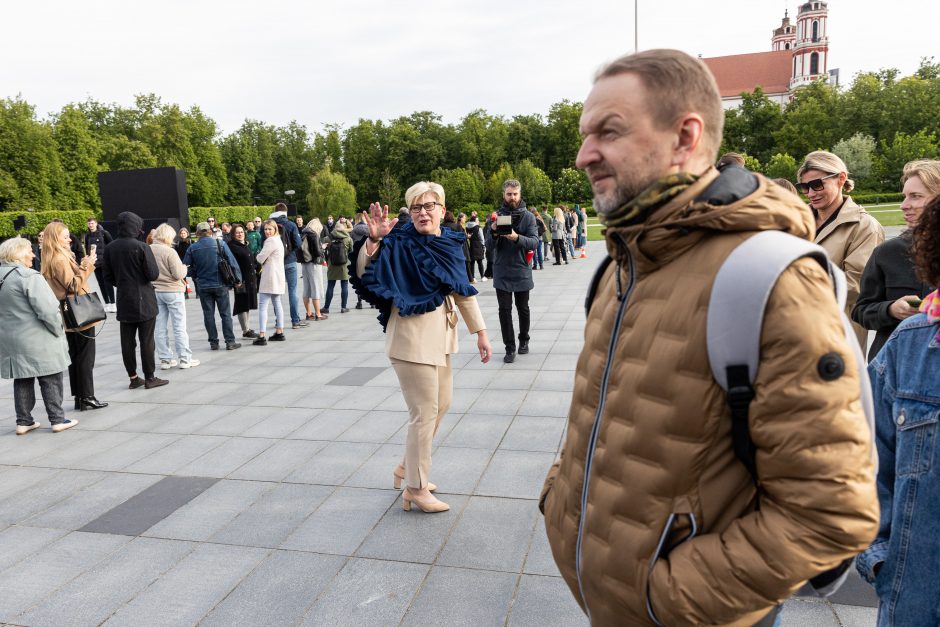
(905,379)
(890,290)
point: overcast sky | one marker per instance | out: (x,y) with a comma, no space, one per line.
(334,62)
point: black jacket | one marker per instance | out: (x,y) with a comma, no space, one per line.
(888,275)
(475,237)
(511,271)
(99,238)
(129,265)
(292,232)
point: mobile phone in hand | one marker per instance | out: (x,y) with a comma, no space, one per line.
(914,302)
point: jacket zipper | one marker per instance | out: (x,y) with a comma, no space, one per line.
(592,441)
(658,554)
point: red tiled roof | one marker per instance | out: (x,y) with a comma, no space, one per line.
(744,72)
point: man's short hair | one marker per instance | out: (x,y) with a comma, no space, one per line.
(730,158)
(677,84)
(512,184)
(280,207)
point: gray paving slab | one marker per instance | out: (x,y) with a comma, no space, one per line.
(189,590)
(145,509)
(328,424)
(281,423)
(42,442)
(17,479)
(546,403)
(406,537)
(554,381)
(93,597)
(505,402)
(458,470)
(176,454)
(342,521)
(376,472)
(132,451)
(515,474)
(803,612)
(375,426)
(277,592)
(334,463)
(235,422)
(39,497)
(273,516)
(88,448)
(117,413)
(479,430)
(462,598)
(28,582)
(370,398)
(854,616)
(539,560)
(91,502)
(546,602)
(534,433)
(209,512)
(492,534)
(367,592)
(513,380)
(18,542)
(225,458)
(357,376)
(278,460)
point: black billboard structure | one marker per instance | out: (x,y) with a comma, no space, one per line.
(157,195)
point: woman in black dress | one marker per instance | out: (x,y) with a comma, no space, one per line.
(182,244)
(246,296)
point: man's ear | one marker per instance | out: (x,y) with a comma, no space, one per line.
(689,131)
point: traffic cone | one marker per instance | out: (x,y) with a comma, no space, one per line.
(583,253)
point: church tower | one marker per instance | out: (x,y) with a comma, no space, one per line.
(811,48)
(784,37)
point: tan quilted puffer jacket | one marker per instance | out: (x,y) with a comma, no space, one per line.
(671,533)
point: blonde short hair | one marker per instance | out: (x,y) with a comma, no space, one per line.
(826,162)
(14,250)
(421,188)
(165,234)
(677,83)
(928,171)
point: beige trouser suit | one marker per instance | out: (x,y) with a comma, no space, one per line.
(419,348)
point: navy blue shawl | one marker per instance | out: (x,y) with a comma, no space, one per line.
(413,271)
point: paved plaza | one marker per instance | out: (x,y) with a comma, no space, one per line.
(256,489)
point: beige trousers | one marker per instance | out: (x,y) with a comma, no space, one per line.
(428,391)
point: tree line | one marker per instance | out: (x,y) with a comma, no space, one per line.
(877,123)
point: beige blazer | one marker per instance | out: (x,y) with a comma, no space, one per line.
(172,271)
(271,258)
(427,338)
(849,241)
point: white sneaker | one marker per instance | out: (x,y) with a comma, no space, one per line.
(483,279)
(192,363)
(62,426)
(166,364)
(24,429)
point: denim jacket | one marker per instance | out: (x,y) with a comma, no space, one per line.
(905,379)
(203,261)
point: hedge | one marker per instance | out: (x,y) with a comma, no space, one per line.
(875,198)
(36,221)
(228,214)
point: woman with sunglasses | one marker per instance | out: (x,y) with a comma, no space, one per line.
(417,278)
(890,290)
(846,231)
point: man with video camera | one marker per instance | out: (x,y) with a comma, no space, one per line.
(515,237)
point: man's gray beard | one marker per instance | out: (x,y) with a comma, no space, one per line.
(604,206)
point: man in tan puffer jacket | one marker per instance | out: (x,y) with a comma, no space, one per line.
(651,517)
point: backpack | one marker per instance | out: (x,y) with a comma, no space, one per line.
(303,253)
(286,239)
(338,254)
(743,284)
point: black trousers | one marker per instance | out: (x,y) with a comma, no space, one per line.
(81,370)
(107,290)
(504,299)
(479,264)
(143,331)
(560,252)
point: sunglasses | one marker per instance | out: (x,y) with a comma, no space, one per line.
(816,184)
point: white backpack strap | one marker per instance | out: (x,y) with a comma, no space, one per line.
(739,297)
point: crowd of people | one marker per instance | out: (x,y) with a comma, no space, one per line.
(647,465)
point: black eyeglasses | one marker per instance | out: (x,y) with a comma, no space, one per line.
(815,185)
(428,207)
(211,220)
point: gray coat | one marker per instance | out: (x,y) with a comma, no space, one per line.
(510,270)
(32,340)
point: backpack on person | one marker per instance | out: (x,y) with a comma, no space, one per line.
(303,253)
(286,239)
(733,328)
(338,254)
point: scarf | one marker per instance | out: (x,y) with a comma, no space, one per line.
(413,272)
(653,197)
(931,307)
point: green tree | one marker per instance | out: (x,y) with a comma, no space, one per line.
(810,121)
(494,185)
(889,166)
(536,186)
(563,136)
(78,153)
(573,186)
(363,155)
(857,151)
(749,128)
(117,152)
(330,192)
(390,192)
(212,181)
(781,166)
(461,187)
(483,140)
(527,138)
(293,161)
(28,154)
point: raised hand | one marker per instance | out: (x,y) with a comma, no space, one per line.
(379,224)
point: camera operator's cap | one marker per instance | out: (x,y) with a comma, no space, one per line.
(202,226)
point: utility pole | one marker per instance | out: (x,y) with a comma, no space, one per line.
(636,26)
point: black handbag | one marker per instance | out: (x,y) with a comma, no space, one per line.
(81,310)
(226,275)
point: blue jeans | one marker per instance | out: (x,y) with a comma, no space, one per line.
(210,297)
(538,259)
(570,244)
(171,307)
(344,291)
(290,275)
(263,300)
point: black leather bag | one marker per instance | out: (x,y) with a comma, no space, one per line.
(81,310)
(226,275)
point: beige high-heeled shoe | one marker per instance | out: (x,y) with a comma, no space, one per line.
(432,506)
(399,476)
